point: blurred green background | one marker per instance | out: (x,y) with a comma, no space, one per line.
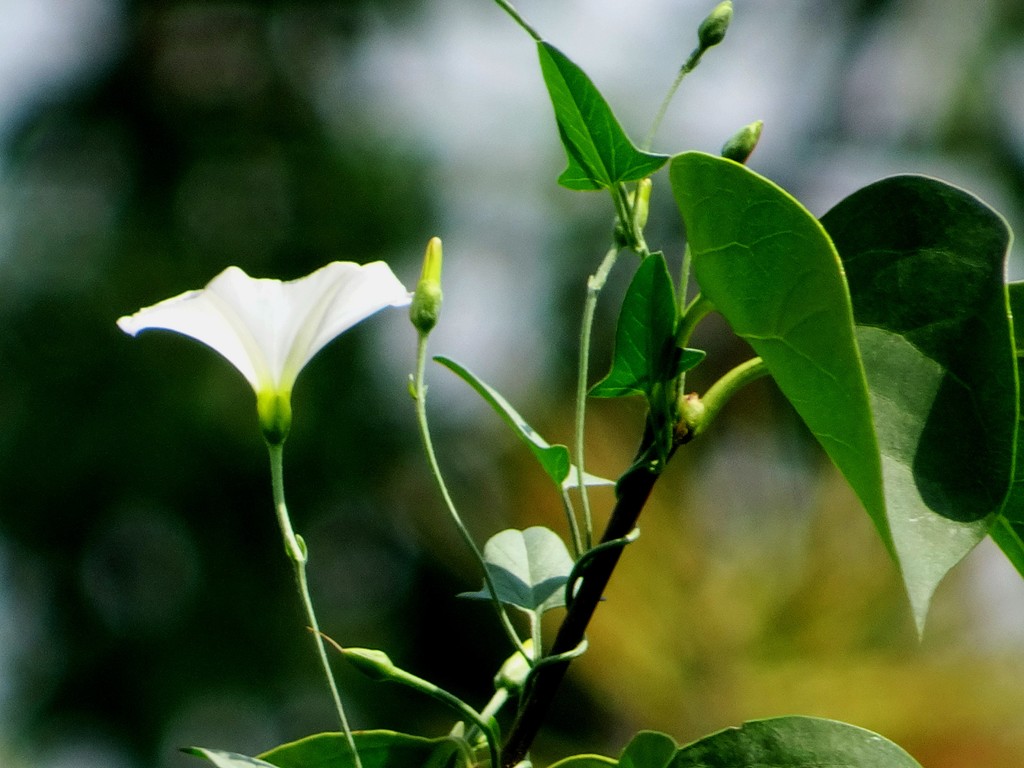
(144,600)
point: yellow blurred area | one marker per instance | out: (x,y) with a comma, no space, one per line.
(730,607)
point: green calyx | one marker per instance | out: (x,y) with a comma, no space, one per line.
(274,409)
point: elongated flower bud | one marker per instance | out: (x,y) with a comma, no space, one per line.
(642,203)
(375,664)
(426,301)
(712,30)
(710,33)
(742,143)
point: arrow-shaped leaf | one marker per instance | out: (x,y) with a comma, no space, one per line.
(793,742)
(529,569)
(769,268)
(1013,509)
(600,154)
(377,749)
(1008,529)
(553,458)
(645,350)
(925,264)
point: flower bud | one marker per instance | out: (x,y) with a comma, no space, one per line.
(742,143)
(642,203)
(426,301)
(514,671)
(274,409)
(712,30)
(692,412)
(375,664)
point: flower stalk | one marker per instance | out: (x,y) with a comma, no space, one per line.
(430,285)
(296,550)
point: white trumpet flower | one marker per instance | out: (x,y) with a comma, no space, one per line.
(269,329)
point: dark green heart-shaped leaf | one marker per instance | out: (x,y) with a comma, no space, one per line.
(769,268)
(554,459)
(925,263)
(377,749)
(1008,530)
(793,742)
(1013,510)
(932,342)
(600,154)
(529,569)
(1010,538)
(645,350)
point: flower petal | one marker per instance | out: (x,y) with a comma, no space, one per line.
(269,329)
(211,316)
(329,302)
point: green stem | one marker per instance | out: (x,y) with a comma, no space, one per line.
(633,489)
(574,527)
(688,67)
(511,11)
(494,705)
(627,220)
(489,712)
(594,285)
(420,396)
(697,310)
(684,279)
(663,109)
(722,391)
(295,548)
(378,666)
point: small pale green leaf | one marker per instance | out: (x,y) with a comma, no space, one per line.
(769,268)
(554,459)
(223,759)
(649,749)
(588,479)
(925,264)
(529,568)
(377,749)
(793,742)
(645,351)
(599,152)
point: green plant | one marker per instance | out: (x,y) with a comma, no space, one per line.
(886,324)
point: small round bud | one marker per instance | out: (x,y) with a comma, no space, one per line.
(742,143)
(426,301)
(692,412)
(712,30)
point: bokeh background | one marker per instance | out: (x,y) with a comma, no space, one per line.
(145,603)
